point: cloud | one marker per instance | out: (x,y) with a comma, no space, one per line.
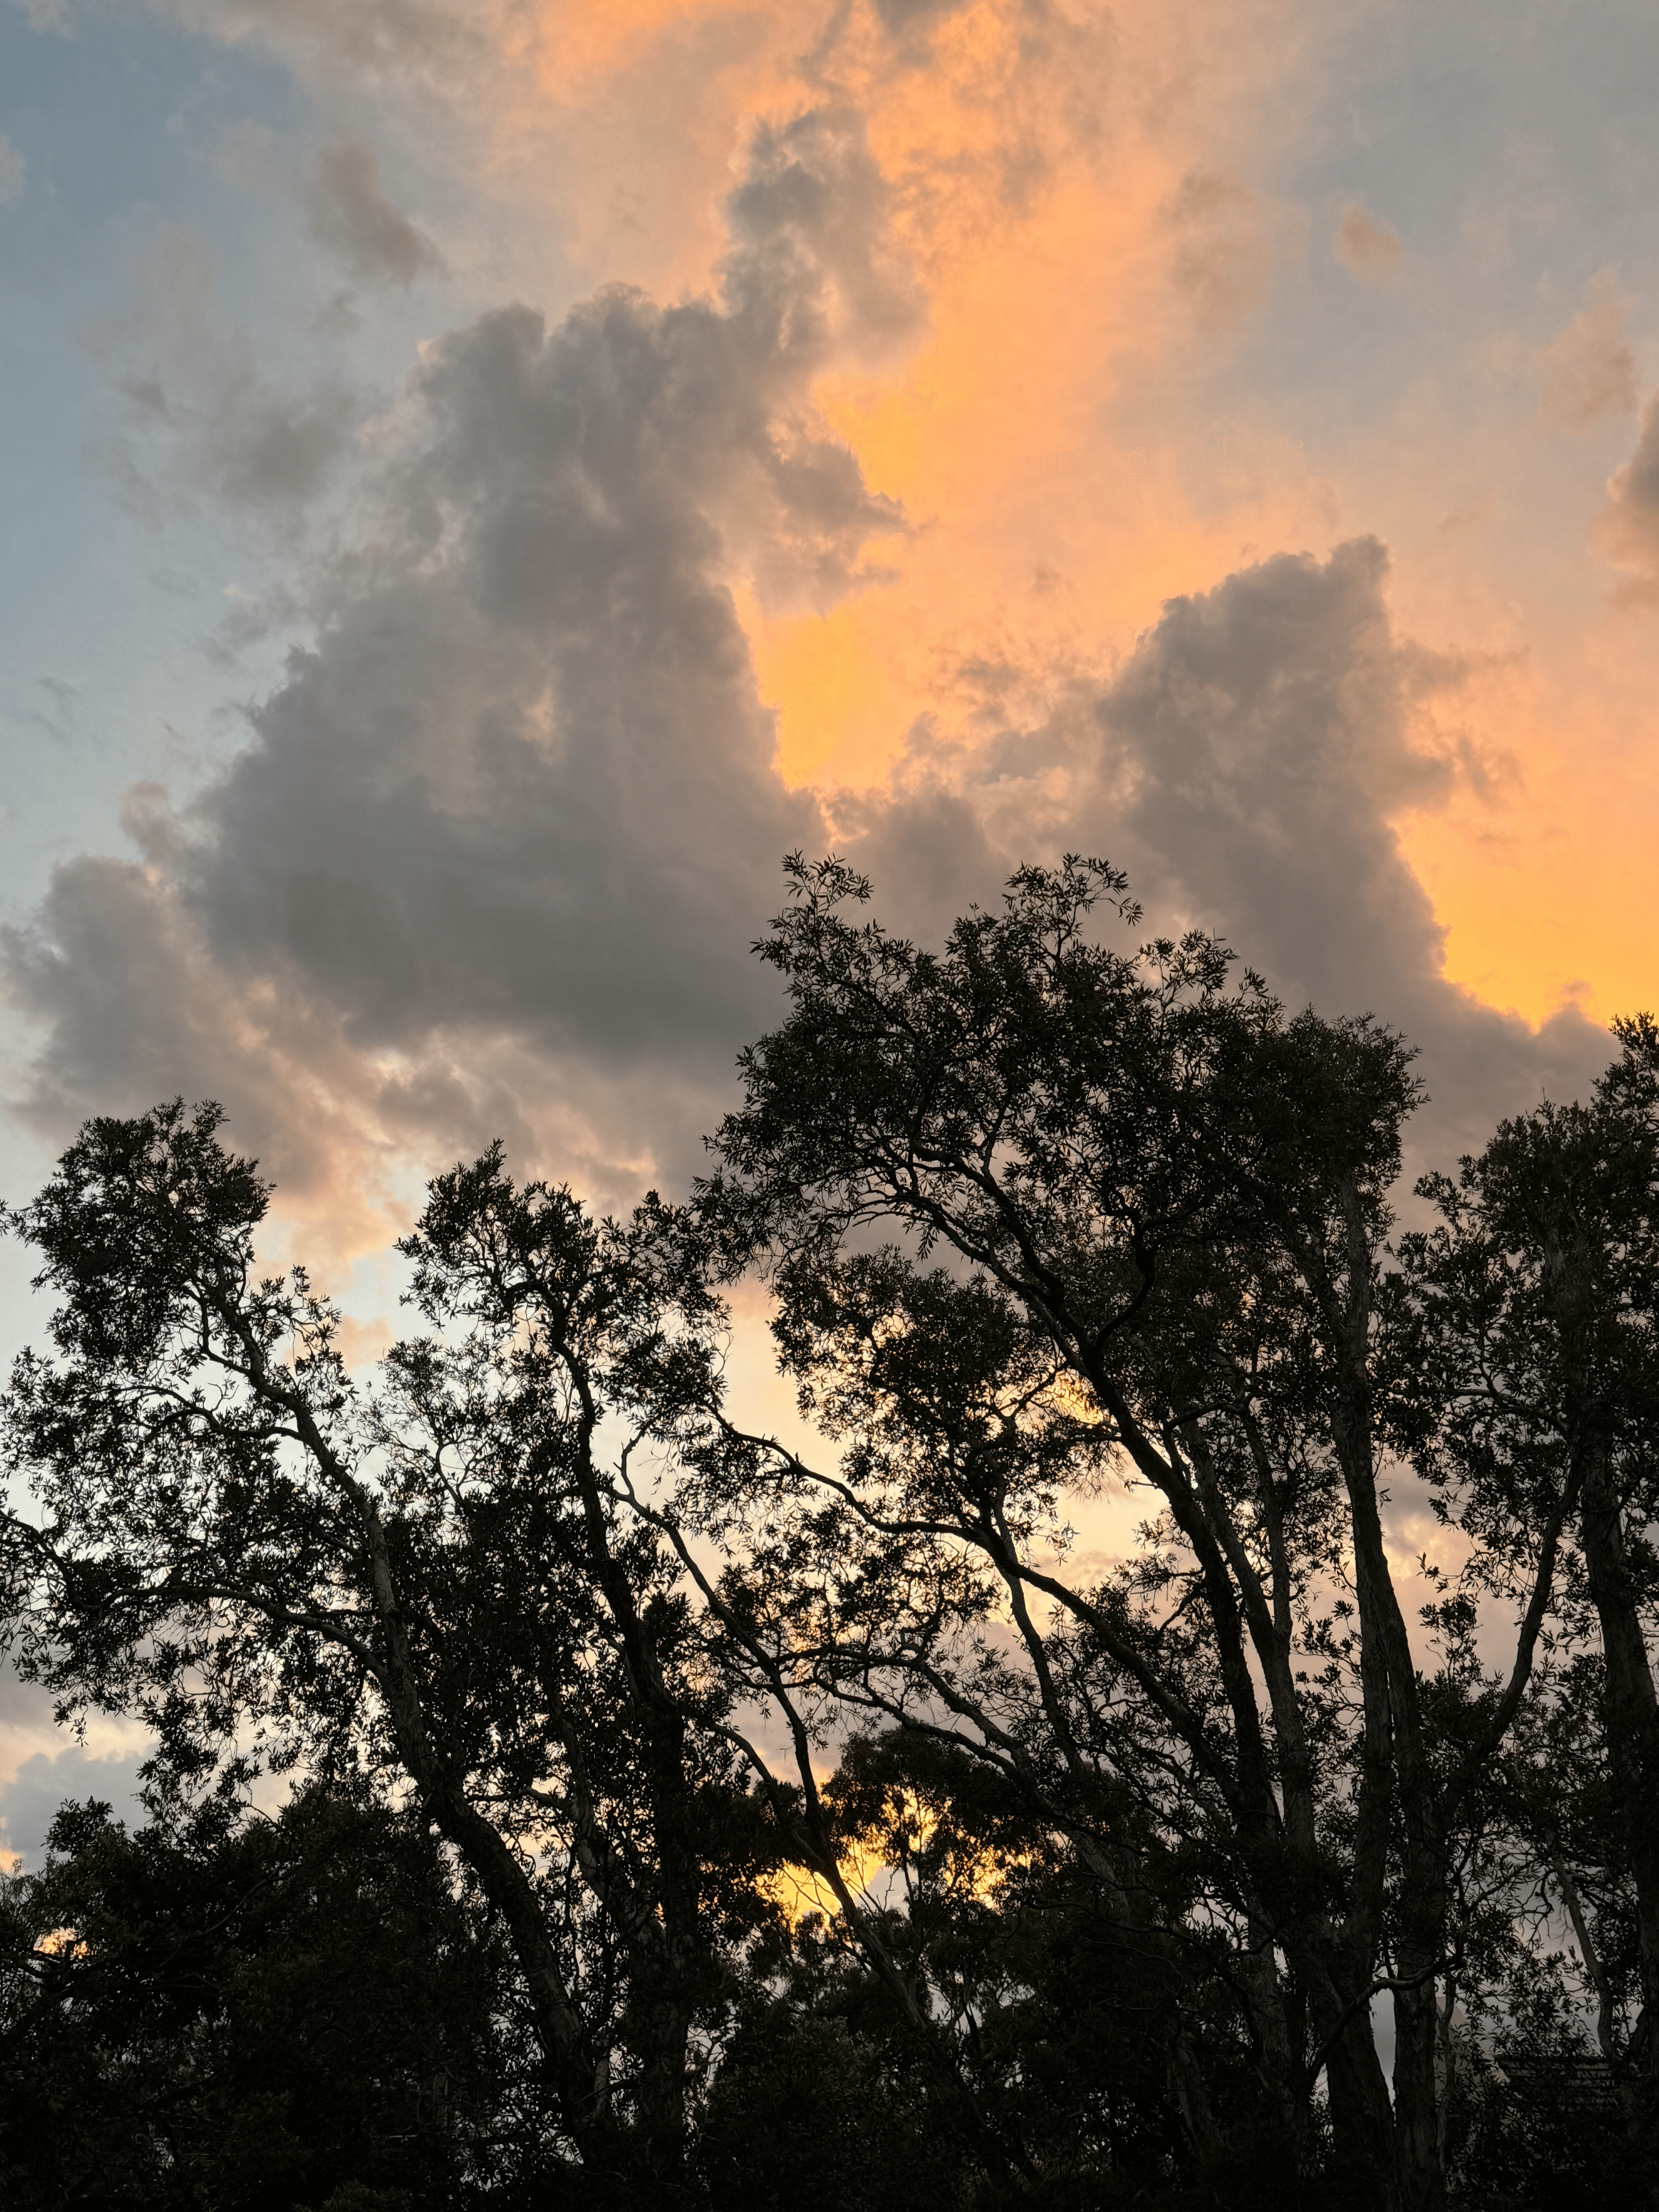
(196,417)
(29,1802)
(1590,370)
(493,855)
(12,171)
(1258,747)
(347,211)
(1367,249)
(1247,766)
(1222,255)
(1627,529)
(496,848)
(1257,742)
(46,15)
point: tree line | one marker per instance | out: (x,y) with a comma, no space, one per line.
(677,1818)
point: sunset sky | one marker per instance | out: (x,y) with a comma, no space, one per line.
(482,480)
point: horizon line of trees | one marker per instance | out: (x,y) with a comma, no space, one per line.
(1040,1217)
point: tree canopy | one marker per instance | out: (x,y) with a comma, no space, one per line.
(742,1824)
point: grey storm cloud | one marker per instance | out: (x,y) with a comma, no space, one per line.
(495,851)
(1255,745)
(1246,767)
(520,793)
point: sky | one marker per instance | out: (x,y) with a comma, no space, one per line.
(484,479)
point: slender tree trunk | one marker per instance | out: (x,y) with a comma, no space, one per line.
(567,2049)
(1631,1720)
(1420,2173)
(1362,2116)
(1418,2133)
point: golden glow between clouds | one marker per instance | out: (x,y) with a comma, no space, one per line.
(1059,487)
(1084,202)
(1087,198)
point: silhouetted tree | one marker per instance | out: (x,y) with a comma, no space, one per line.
(1164,1207)
(1105,1860)
(255,2015)
(436,1582)
(1533,1357)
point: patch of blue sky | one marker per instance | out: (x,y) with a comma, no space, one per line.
(99,662)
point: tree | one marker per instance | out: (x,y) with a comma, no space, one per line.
(255,2015)
(435,1586)
(1533,1350)
(1164,1207)
(1118,1853)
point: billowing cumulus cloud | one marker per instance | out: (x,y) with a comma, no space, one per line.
(1256,745)
(497,847)
(1247,767)
(516,812)
(1259,747)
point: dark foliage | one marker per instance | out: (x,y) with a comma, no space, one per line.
(297,2012)
(1118,1854)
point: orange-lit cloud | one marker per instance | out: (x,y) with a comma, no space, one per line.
(968,338)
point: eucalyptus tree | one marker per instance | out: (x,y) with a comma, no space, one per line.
(433,1584)
(1057,1233)
(1135,1222)
(1533,1350)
